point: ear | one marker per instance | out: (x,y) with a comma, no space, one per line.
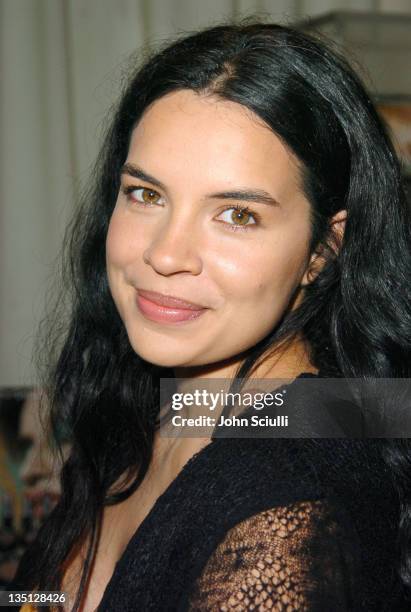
(318,258)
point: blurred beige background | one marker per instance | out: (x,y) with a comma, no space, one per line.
(61,63)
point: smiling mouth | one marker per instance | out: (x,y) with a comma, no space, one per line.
(169,301)
(167,314)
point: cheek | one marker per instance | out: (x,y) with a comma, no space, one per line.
(264,272)
(117,241)
(124,245)
(122,252)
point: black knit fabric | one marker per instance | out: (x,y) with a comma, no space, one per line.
(267,524)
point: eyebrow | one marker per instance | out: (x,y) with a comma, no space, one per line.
(138,173)
(247,195)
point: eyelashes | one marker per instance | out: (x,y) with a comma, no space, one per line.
(148,197)
(151,197)
(240,209)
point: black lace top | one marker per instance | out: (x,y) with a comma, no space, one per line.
(267,524)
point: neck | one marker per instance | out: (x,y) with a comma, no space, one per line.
(284,362)
(281,367)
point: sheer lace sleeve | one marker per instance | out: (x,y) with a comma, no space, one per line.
(289,558)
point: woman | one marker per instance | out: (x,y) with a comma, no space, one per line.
(247,175)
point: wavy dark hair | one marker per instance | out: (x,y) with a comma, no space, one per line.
(355,315)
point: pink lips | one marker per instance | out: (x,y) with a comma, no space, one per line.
(167,309)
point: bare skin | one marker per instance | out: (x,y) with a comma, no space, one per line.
(198,147)
(120,522)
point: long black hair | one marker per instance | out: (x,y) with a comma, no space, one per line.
(355,315)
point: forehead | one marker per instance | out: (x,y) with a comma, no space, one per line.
(208,138)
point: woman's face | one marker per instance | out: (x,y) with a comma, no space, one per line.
(174,229)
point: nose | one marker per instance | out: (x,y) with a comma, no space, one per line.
(174,247)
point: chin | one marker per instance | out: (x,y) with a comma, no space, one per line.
(162,358)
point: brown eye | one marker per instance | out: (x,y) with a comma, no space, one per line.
(150,196)
(143,195)
(239,216)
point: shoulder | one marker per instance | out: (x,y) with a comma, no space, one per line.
(294,557)
(298,523)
